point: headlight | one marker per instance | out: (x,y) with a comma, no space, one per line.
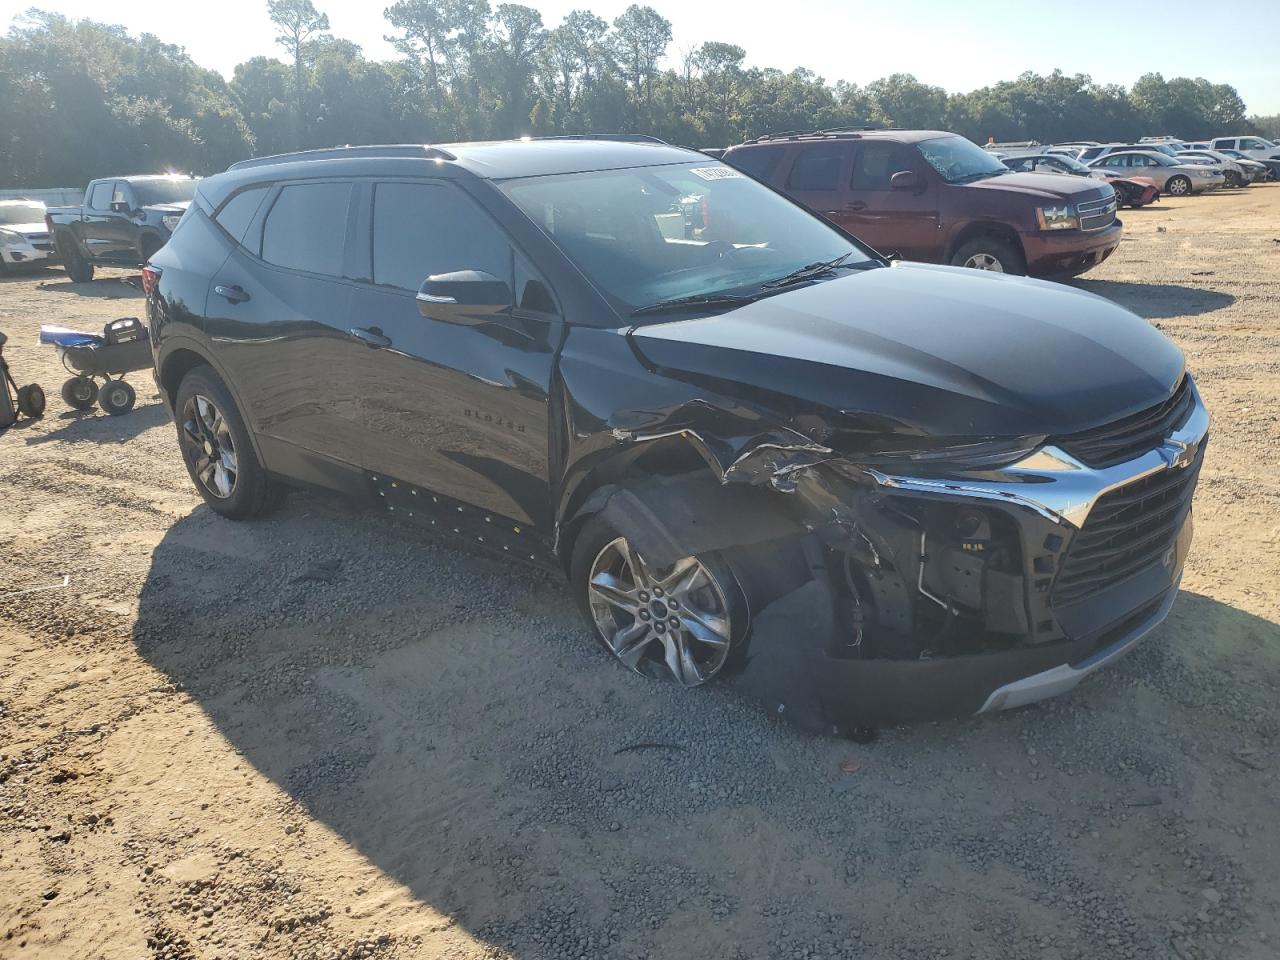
(916,455)
(1057,218)
(170,221)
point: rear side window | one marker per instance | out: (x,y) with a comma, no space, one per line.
(100,196)
(1089,153)
(307,228)
(760,163)
(237,213)
(874,163)
(422,229)
(817,167)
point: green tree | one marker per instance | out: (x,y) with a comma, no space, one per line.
(297,23)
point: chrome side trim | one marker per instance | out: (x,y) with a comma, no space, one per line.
(1056,485)
(1064,677)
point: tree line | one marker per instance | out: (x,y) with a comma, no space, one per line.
(86,99)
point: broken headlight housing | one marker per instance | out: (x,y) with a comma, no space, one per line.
(918,455)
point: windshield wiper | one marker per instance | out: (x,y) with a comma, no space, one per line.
(697,300)
(810,271)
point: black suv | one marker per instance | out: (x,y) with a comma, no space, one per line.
(864,491)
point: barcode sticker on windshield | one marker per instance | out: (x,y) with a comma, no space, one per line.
(716,173)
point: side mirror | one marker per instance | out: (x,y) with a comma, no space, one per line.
(464,296)
(904,180)
(120,206)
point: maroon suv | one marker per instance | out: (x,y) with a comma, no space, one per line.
(937,197)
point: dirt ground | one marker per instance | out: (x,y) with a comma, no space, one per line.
(320,737)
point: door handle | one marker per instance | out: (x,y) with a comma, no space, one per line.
(373,336)
(857,205)
(233,294)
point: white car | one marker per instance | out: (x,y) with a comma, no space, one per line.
(1174,178)
(1238,172)
(1254,147)
(24,235)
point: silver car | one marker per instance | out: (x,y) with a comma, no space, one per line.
(1237,172)
(1174,178)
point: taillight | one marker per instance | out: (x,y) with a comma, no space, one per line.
(150,277)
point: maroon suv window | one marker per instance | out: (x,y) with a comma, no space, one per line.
(817,167)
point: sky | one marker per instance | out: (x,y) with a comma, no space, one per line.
(955,45)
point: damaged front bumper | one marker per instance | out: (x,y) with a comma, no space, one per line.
(1059,569)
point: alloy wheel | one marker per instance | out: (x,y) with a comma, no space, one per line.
(1178,186)
(674,625)
(984,261)
(211,450)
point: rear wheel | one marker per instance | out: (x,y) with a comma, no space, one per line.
(79,393)
(78,268)
(117,398)
(681,624)
(1178,186)
(988,252)
(217,449)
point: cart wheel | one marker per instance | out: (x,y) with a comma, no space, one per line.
(116,397)
(31,400)
(79,393)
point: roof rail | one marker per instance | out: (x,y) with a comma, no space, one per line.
(411,151)
(831,133)
(621,137)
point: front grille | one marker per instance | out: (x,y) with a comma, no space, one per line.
(1133,436)
(1128,529)
(43,246)
(1097,214)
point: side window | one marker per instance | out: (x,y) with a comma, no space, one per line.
(100,196)
(875,162)
(307,228)
(1089,154)
(817,167)
(237,213)
(422,229)
(119,193)
(759,163)
(1252,143)
(532,292)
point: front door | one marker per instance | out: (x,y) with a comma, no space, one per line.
(819,178)
(902,221)
(453,409)
(96,217)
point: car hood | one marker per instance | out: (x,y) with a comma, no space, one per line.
(176,207)
(921,349)
(26,229)
(1042,186)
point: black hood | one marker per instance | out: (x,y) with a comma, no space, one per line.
(943,351)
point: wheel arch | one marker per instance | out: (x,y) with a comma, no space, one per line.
(984,228)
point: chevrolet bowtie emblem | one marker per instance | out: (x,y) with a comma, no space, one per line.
(1177,454)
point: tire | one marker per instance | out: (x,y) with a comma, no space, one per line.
(78,268)
(998,255)
(1178,186)
(31,401)
(116,398)
(1232,178)
(703,600)
(79,393)
(210,426)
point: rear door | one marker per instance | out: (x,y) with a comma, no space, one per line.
(818,178)
(902,221)
(278,311)
(95,220)
(459,409)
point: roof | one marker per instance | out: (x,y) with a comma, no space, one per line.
(895,136)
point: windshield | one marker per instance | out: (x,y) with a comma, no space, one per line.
(1163,161)
(151,192)
(957,159)
(648,235)
(15,213)
(1069,163)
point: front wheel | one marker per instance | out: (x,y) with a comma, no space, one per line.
(681,624)
(217,449)
(79,393)
(990,253)
(1178,186)
(1233,179)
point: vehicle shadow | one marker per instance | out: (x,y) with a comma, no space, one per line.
(1157,301)
(94,426)
(447,717)
(107,288)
